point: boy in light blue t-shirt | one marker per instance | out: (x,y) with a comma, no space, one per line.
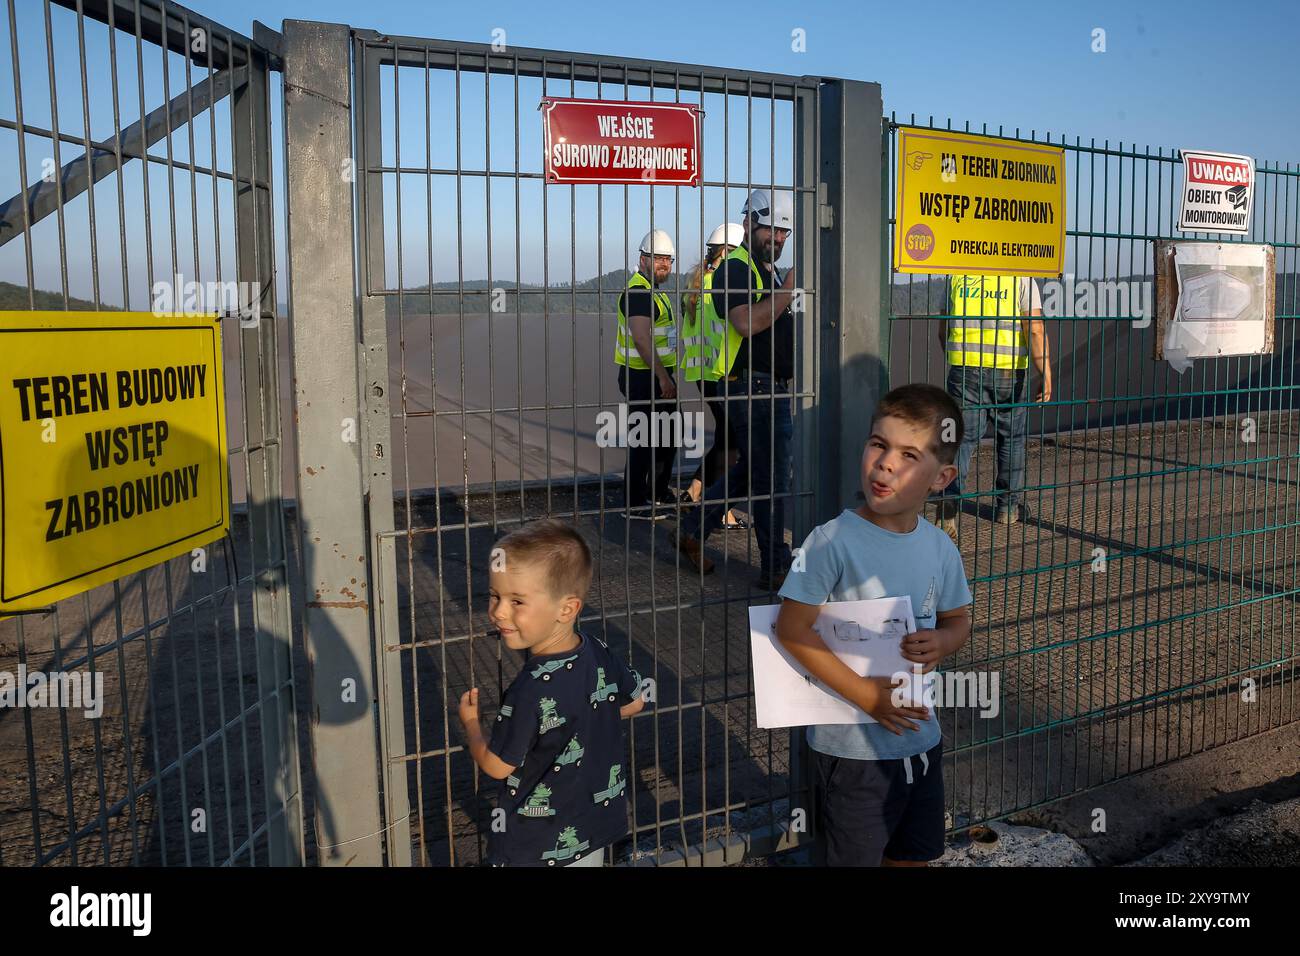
(880,785)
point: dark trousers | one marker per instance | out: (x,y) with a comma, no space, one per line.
(764,430)
(871,810)
(714,463)
(648,469)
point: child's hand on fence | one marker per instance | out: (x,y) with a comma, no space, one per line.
(877,699)
(924,647)
(469,708)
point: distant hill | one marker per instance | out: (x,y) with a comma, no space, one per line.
(920,296)
(598,294)
(14,298)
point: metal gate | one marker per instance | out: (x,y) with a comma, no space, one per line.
(1146,609)
(447,384)
(494,412)
(486,335)
(136,136)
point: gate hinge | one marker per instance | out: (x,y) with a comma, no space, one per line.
(825,211)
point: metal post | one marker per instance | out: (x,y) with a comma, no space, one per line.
(253,230)
(378,454)
(809,217)
(254,234)
(851,288)
(331,466)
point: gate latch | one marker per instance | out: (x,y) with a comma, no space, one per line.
(825,211)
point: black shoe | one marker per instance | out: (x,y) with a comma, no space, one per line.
(673,498)
(644,512)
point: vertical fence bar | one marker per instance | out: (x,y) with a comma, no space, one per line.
(251,147)
(377,445)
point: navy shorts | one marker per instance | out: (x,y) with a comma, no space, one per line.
(869,809)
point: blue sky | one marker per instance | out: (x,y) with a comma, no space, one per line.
(1172,75)
(1016,63)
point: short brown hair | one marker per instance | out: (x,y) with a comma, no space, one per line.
(929,407)
(559,549)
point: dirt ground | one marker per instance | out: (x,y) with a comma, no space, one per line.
(1103,673)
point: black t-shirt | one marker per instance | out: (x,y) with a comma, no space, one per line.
(638,302)
(559,726)
(771,350)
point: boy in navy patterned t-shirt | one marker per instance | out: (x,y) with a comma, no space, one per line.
(557,741)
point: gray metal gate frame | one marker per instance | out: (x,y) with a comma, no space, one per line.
(238,67)
(332,104)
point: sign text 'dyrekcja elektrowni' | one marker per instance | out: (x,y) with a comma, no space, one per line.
(976,204)
(112,447)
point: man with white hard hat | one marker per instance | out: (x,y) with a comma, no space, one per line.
(644,351)
(756,299)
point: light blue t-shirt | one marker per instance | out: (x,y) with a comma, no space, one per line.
(850,559)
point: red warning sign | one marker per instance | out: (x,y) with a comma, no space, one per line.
(1217,192)
(611,141)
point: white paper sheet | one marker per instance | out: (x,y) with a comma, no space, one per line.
(866,635)
(1222,298)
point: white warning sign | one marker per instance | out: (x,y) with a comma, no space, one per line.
(1218,192)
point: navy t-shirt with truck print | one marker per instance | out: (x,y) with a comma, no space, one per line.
(559,726)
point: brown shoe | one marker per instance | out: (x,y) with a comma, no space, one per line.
(949,527)
(691,548)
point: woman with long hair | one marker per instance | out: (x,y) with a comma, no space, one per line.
(720,455)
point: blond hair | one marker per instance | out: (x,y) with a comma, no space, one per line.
(558,549)
(710,262)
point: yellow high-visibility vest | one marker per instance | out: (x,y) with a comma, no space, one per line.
(712,342)
(987,330)
(665,330)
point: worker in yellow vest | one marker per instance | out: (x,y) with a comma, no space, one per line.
(710,346)
(756,298)
(645,351)
(993,330)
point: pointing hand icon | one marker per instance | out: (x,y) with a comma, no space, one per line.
(915,159)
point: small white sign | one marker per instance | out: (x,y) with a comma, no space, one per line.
(1218,192)
(1222,304)
(865,635)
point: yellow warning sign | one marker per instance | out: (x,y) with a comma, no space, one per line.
(112,447)
(974,204)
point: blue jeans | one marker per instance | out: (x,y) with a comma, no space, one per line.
(763,430)
(972,386)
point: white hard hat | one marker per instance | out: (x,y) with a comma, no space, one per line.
(658,243)
(771,210)
(727,234)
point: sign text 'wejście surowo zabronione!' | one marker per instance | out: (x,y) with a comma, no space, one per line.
(613,142)
(112,447)
(976,204)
